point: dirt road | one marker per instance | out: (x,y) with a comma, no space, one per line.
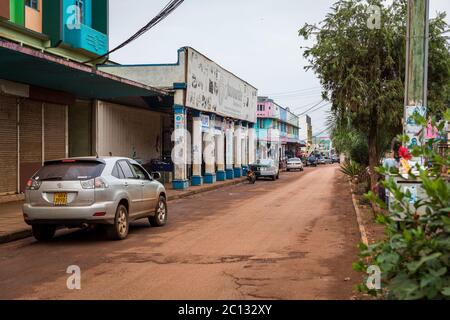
(290,239)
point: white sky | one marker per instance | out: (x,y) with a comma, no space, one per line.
(255,39)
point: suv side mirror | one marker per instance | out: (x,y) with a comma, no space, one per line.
(156,175)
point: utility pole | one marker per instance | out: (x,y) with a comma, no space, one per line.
(416,89)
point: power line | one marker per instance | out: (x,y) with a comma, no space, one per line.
(290,92)
(320,107)
(164,13)
(313,107)
(307,106)
(297,96)
(318,134)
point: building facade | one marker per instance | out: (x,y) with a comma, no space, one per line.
(323,145)
(214,113)
(305,133)
(55,104)
(277,130)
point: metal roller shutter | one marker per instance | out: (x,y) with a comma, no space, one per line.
(30,140)
(54,131)
(8,145)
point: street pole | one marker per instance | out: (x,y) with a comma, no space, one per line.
(416,89)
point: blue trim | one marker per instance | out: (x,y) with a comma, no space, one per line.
(209,178)
(230,174)
(179,86)
(196,180)
(180,184)
(196,113)
(178,109)
(244,170)
(221,175)
(238,172)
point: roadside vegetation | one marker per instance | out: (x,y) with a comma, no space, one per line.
(414,258)
(362,72)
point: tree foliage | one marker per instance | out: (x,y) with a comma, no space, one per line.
(362,70)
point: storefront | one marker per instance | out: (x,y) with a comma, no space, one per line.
(31,131)
(214,115)
(44,118)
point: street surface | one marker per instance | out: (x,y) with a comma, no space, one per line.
(290,239)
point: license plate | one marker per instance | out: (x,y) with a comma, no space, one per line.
(60,199)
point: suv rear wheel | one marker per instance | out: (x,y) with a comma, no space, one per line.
(43,232)
(119,230)
(160,217)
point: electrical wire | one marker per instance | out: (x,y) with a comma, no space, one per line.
(164,13)
(314,104)
(313,107)
(318,134)
(291,92)
(320,107)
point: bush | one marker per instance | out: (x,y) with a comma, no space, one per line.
(352,169)
(415,256)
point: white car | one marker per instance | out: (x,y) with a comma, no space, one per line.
(266,168)
(294,164)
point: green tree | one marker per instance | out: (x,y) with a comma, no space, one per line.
(362,69)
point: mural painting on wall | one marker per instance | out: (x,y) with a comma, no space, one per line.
(213,89)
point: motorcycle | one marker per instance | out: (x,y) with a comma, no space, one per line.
(251,176)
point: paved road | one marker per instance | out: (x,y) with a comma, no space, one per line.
(290,239)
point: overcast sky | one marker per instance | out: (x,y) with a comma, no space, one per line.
(255,39)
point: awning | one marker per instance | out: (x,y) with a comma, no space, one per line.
(29,66)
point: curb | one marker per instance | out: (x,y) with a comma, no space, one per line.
(362,229)
(25,233)
(16,235)
(206,189)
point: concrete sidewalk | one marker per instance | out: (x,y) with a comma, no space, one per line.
(12,226)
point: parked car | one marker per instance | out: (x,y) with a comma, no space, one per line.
(266,168)
(321,160)
(80,192)
(294,164)
(312,161)
(335,159)
(328,160)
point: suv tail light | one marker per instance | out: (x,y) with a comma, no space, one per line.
(33,184)
(97,183)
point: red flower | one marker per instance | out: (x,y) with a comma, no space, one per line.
(404,153)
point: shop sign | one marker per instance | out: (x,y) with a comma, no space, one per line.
(211,88)
(205,123)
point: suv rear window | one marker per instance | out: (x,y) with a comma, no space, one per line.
(70,171)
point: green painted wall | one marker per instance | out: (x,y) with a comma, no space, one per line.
(17,11)
(100,12)
(51,18)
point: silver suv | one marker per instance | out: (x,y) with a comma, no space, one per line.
(79,192)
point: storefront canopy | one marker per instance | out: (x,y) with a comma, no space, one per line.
(29,66)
